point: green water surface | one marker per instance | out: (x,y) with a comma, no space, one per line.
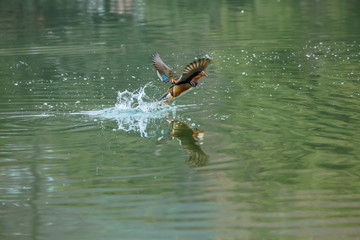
(266,147)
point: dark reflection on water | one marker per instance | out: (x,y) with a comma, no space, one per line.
(266,147)
(189,141)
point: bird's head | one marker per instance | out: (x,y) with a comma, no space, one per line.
(203,74)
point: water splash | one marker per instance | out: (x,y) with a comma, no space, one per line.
(134,112)
(136,101)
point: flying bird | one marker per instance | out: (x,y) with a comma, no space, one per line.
(189,78)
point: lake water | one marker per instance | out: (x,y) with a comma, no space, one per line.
(266,147)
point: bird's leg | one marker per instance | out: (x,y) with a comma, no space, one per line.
(169,100)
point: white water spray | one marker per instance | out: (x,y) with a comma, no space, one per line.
(133,112)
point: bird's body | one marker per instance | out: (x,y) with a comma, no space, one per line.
(189,78)
(177,90)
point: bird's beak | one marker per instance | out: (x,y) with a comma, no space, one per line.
(204,74)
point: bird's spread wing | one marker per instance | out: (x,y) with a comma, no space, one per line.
(193,69)
(163,71)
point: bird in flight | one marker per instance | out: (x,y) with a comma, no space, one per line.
(189,78)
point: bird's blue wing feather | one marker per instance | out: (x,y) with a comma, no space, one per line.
(163,77)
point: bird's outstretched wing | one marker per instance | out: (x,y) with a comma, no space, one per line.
(163,71)
(193,69)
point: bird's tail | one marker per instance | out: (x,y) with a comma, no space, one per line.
(166,95)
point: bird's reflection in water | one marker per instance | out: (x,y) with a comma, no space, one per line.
(189,140)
